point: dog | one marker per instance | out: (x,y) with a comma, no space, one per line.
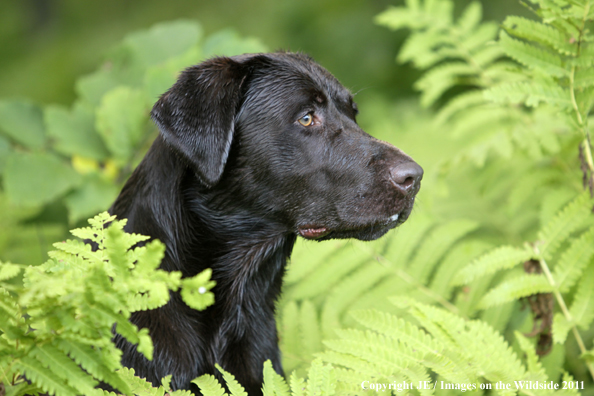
(253,151)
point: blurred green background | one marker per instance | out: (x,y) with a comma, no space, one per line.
(46,44)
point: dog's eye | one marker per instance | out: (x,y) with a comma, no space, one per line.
(306,120)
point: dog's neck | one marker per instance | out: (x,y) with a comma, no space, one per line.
(203,228)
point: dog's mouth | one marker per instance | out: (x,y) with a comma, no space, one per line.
(365,232)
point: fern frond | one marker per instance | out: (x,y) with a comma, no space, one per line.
(561,327)
(534,365)
(180,392)
(139,386)
(64,368)
(234,387)
(532,56)
(9,271)
(448,270)
(503,257)
(480,37)
(441,78)
(401,246)
(470,18)
(531,93)
(347,292)
(439,241)
(388,356)
(321,379)
(512,289)
(75,247)
(209,385)
(101,366)
(290,342)
(310,255)
(552,203)
(274,384)
(489,353)
(459,103)
(44,378)
(297,385)
(326,276)
(582,308)
(311,335)
(540,33)
(573,260)
(424,347)
(572,217)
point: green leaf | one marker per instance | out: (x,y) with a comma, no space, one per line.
(9,270)
(274,384)
(441,78)
(93,196)
(567,221)
(22,122)
(573,260)
(321,379)
(228,43)
(532,56)
(163,41)
(582,308)
(532,93)
(74,131)
(43,377)
(209,386)
(439,241)
(234,387)
(541,33)
(503,257)
(64,368)
(195,291)
(561,327)
(534,365)
(297,385)
(120,120)
(92,87)
(36,179)
(513,289)
(470,18)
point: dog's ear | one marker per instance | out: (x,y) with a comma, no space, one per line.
(196,115)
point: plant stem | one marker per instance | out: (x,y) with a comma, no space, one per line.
(563,306)
(583,124)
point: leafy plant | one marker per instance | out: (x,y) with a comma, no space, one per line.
(57,327)
(79,157)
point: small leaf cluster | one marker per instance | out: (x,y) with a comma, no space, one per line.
(80,155)
(56,329)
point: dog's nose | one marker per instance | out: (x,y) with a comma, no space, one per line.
(406,177)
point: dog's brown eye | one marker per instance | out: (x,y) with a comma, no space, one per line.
(306,120)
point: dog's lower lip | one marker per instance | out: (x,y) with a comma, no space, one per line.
(313,232)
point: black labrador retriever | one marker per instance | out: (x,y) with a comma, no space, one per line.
(253,150)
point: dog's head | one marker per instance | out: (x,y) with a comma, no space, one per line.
(279,133)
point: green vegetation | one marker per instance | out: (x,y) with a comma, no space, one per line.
(489,282)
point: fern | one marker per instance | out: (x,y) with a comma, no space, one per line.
(320,382)
(73,301)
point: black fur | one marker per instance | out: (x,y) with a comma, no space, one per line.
(229,184)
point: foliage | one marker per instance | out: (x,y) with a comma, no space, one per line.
(79,156)
(57,327)
(443,298)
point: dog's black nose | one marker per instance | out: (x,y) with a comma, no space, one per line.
(406,177)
